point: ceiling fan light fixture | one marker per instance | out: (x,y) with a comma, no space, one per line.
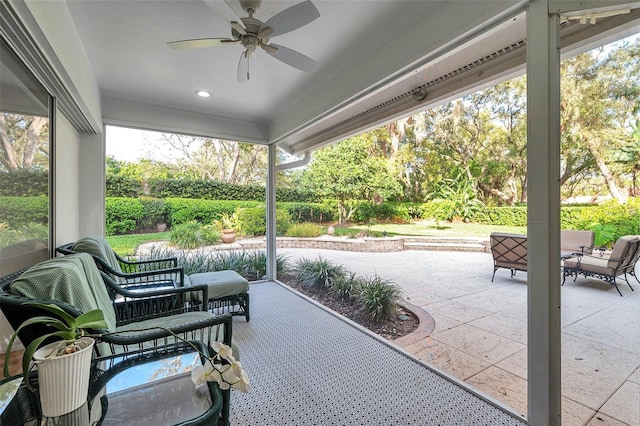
(203,93)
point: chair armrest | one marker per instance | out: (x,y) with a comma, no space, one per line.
(146,265)
(125,338)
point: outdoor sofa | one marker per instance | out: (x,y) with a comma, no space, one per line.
(509,251)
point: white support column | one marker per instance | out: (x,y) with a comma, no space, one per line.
(271,212)
(543,225)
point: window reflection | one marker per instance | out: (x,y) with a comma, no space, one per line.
(24,166)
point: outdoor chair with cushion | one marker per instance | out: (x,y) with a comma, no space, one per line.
(621,261)
(575,241)
(75,284)
(150,273)
(509,251)
(228,291)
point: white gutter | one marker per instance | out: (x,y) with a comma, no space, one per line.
(298,163)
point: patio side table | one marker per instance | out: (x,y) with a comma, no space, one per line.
(151,386)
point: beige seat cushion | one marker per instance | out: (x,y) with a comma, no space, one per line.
(220,283)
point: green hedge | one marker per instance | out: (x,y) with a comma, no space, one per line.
(122,215)
(508,216)
(122,186)
(24,183)
(252,221)
(21,211)
(309,212)
(182,210)
(217,190)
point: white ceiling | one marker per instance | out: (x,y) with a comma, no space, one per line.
(366,49)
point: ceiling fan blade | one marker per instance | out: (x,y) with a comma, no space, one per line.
(292,18)
(238,27)
(243,67)
(198,43)
(267,47)
(293,58)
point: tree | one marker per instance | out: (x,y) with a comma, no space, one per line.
(24,141)
(600,94)
(348,171)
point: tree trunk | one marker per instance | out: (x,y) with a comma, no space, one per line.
(33,141)
(8,159)
(609,178)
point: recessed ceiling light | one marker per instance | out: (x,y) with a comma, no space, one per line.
(203,93)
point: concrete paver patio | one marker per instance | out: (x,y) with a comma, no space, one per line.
(481,330)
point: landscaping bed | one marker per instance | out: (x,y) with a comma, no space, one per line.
(399,325)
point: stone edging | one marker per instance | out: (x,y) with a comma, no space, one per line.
(424,330)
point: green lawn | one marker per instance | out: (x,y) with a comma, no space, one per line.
(126,245)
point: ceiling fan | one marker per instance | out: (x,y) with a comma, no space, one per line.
(253,33)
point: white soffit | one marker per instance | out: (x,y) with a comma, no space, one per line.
(496,55)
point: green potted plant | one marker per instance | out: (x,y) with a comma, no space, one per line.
(227,224)
(64,365)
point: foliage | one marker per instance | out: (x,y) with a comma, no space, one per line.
(25,142)
(154,211)
(30,231)
(348,170)
(20,211)
(227,221)
(122,215)
(348,286)
(66,327)
(379,298)
(367,211)
(604,234)
(318,273)
(509,216)
(304,230)
(253,221)
(251,264)
(183,210)
(457,199)
(192,235)
(309,212)
(24,183)
(123,186)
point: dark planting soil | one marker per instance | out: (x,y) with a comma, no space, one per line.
(401,324)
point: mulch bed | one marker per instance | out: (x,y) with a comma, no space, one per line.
(401,324)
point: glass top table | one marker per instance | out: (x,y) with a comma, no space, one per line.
(145,387)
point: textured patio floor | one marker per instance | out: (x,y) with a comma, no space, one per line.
(309,367)
(481,335)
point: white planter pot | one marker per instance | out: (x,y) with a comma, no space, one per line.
(63,380)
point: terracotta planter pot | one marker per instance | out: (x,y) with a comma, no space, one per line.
(63,380)
(228,236)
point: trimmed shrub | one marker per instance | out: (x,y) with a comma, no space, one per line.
(309,212)
(304,230)
(509,216)
(123,186)
(181,210)
(24,183)
(379,298)
(253,221)
(122,215)
(366,211)
(20,211)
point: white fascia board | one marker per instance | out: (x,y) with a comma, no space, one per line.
(590,6)
(389,62)
(143,116)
